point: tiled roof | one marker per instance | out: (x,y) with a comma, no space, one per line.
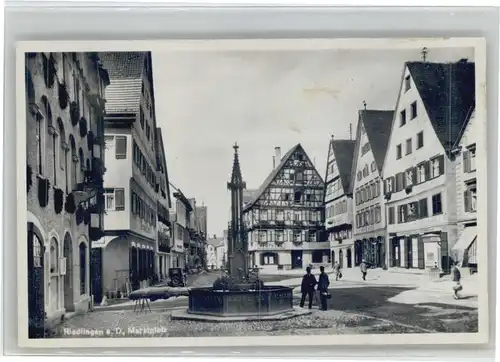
(377,124)
(274,173)
(448,93)
(125,71)
(344,152)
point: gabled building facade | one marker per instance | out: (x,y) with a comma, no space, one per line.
(465,250)
(65,96)
(164,204)
(126,254)
(182,216)
(434,103)
(372,138)
(284,219)
(338,202)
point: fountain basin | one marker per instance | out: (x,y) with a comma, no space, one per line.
(267,301)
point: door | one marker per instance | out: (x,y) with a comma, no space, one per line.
(36,301)
(341,259)
(297,259)
(349,258)
(409,253)
(396,254)
(96,274)
(134,269)
(358,252)
(333,257)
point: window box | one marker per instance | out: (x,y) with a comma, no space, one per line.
(63,95)
(58,200)
(408,189)
(74,110)
(83,127)
(43,191)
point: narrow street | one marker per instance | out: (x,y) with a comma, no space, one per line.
(353,308)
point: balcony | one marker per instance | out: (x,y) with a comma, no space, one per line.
(164,242)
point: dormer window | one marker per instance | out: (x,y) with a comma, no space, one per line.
(407,83)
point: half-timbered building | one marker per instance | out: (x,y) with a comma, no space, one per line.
(372,137)
(283,220)
(435,101)
(338,201)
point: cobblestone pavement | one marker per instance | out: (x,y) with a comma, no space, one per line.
(351,311)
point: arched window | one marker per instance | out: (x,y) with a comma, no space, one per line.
(82,248)
(63,152)
(81,159)
(74,162)
(30,88)
(54,256)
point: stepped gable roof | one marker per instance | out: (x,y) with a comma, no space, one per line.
(377,124)
(344,152)
(448,93)
(125,69)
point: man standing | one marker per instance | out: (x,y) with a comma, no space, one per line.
(323,284)
(363,267)
(336,270)
(307,288)
(456,281)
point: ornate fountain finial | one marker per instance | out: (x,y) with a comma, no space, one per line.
(236,178)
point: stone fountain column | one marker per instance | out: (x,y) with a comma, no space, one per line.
(237,249)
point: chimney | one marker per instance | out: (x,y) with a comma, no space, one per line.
(277,152)
(274,162)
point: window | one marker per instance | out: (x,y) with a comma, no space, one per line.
(54,256)
(398,152)
(141,117)
(299,177)
(389,185)
(422,208)
(312,236)
(414,110)
(269,259)
(378,214)
(402,118)
(297,236)
(82,248)
(408,146)
(115,200)
(377,187)
(298,197)
(421,173)
(373,166)
(119,199)
(409,180)
(121,148)
(407,83)
(55,148)
(436,204)
(365,148)
(399,181)
(110,200)
(470,159)
(390,213)
(148,131)
(317,256)
(470,198)
(402,213)
(279,235)
(360,175)
(420,140)
(39,142)
(412,211)
(437,166)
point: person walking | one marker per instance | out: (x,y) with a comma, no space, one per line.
(323,283)
(336,270)
(307,287)
(364,268)
(457,286)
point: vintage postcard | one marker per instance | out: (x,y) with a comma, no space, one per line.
(252,192)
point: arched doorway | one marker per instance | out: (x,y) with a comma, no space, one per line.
(341,258)
(349,258)
(36,283)
(68,277)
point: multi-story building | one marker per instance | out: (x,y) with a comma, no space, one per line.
(434,103)
(372,138)
(215,252)
(338,201)
(181,234)
(64,141)
(465,250)
(163,225)
(284,219)
(127,251)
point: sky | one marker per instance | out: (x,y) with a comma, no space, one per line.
(206,101)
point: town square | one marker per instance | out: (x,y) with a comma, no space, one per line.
(260,194)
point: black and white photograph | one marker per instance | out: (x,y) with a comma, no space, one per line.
(272,189)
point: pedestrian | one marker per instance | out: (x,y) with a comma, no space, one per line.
(323,283)
(363,267)
(307,288)
(336,270)
(457,286)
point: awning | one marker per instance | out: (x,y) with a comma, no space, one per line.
(468,236)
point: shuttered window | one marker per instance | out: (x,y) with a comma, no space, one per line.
(399,181)
(390,213)
(121,147)
(119,199)
(422,208)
